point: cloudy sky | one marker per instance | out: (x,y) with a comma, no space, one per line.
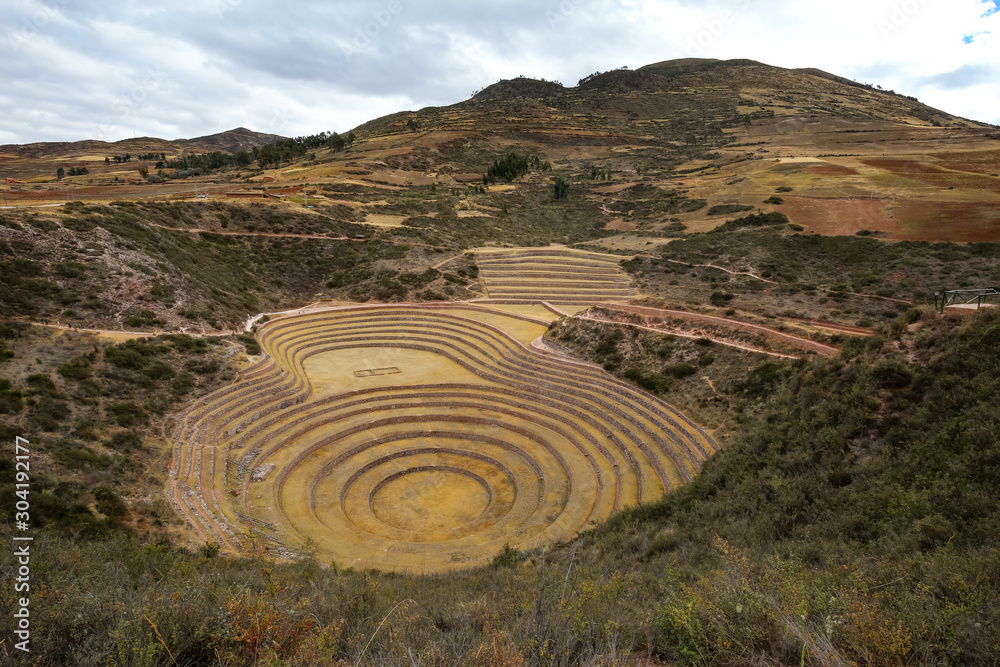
(71,69)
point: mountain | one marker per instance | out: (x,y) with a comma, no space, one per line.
(228,141)
(676,95)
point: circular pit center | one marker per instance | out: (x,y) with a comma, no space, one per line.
(430,500)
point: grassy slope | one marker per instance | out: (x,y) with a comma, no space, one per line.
(853,512)
(813,276)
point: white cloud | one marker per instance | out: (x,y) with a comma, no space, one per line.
(71,69)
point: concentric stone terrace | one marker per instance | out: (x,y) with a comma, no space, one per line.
(557,275)
(420,438)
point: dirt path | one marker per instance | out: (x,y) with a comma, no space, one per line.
(772,282)
(276,235)
(720,268)
(135,334)
(450,259)
(833,326)
(797,341)
(686,335)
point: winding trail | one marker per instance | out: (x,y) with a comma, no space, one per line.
(797,341)
(680,334)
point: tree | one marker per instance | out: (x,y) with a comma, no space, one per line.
(562,187)
(59,173)
(144,172)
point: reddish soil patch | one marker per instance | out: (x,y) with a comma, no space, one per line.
(930,174)
(832,170)
(838,217)
(948,221)
(904,167)
(980,162)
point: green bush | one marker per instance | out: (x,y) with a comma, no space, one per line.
(250,344)
(125,441)
(681,370)
(652,382)
(77,369)
(109,503)
(127,415)
(11,400)
(726,209)
(721,299)
(144,318)
(562,186)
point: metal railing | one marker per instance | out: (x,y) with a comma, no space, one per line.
(962,296)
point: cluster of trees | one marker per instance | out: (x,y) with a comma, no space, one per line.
(512,165)
(118,159)
(285,150)
(210,161)
(591,77)
(150,157)
(602,174)
(562,187)
(73,171)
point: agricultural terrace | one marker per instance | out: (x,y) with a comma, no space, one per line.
(555,275)
(420,438)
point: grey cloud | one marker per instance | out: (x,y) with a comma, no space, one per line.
(963,77)
(322,65)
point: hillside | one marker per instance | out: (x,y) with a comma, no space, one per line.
(644,371)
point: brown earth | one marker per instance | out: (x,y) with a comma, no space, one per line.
(838,217)
(957,222)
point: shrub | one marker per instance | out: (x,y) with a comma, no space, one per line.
(721,299)
(763,380)
(250,344)
(76,369)
(124,441)
(726,209)
(41,383)
(144,318)
(127,415)
(157,371)
(681,370)
(652,382)
(509,557)
(109,503)
(562,186)
(11,400)
(757,220)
